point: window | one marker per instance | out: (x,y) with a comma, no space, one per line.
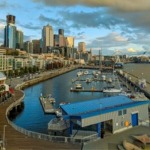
(119,113)
(124,111)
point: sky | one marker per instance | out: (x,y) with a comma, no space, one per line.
(112,26)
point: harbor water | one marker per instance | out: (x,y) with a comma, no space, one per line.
(33,117)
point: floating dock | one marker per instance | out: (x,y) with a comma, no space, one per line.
(86,90)
(47,105)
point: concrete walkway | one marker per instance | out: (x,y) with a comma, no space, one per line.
(111,142)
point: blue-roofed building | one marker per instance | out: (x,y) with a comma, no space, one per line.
(113,114)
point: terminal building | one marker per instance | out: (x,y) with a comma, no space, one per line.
(111,114)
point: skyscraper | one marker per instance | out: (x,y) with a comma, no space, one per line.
(10,36)
(70,41)
(48,38)
(10,19)
(81,47)
(36,46)
(19,39)
(61,38)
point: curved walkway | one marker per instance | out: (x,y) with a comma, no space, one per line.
(18,141)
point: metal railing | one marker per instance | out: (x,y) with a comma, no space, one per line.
(44,136)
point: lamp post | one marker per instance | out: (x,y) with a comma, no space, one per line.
(3,148)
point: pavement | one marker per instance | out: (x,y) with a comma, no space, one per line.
(110,142)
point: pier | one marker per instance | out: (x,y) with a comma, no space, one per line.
(47,106)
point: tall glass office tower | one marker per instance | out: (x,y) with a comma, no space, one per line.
(10,36)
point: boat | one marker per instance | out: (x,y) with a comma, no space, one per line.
(48,98)
(51,99)
(58,124)
(58,112)
(80,73)
(112,90)
(78,86)
(47,104)
(109,80)
(103,77)
(86,72)
(88,80)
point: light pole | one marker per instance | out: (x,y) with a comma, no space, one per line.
(3,148)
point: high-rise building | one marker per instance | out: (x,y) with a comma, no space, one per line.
(61,32)
(70,41)
(36,46)
(56,40)
(19,39)
(10,36)
(10,19)
(28,46)
(81,47)
(48,38)
(61,38)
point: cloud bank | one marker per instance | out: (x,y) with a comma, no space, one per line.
(123,5)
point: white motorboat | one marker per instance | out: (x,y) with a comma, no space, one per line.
(86,72)
(112,90)
(78,86)
(109,80)
(80,73)
(103,77)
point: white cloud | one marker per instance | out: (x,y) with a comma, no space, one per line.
(132,50)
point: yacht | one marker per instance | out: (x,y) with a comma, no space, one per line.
(78,86)
(103,77)
(86,72)
(80,73)
(112,90)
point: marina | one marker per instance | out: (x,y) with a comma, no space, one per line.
(139,98)
(94,90)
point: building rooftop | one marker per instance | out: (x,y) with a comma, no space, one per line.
(96,106)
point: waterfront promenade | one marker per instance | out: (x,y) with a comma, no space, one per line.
(15,140)
(18,141)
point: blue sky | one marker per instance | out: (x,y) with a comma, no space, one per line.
(112,25)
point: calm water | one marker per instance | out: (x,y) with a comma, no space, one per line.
(33,117)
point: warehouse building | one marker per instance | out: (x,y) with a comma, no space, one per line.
(114,114)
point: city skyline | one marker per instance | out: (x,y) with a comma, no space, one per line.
(107,25)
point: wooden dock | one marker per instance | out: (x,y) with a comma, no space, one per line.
(47,106)
(18,141)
